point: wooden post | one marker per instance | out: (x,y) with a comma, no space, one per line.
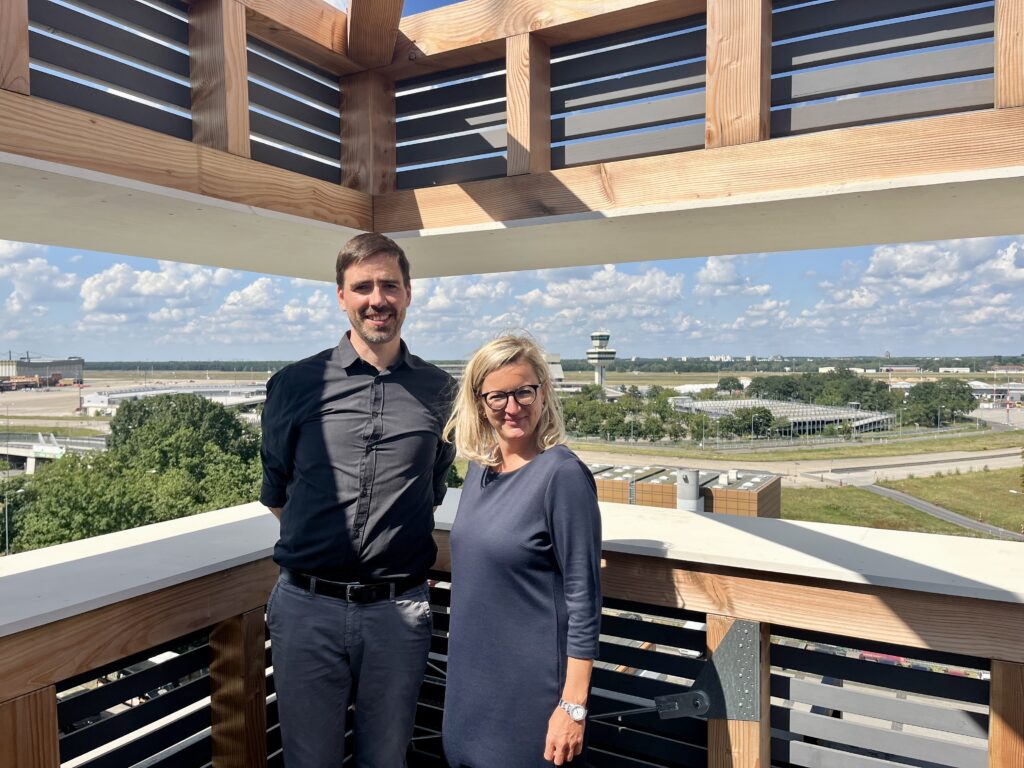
(528,104)
(28,730)
(739,51)
(373,30)
(219,72)
(1009,72)
(1006,715)
(14,45)
(239,692)
(368,132)
(741,743)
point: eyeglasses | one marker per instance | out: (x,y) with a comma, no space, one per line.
(524,395)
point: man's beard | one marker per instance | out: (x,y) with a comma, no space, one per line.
(377,336)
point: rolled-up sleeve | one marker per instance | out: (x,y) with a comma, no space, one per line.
(276,447)
(574,521)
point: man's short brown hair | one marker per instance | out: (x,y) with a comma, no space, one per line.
(366,245)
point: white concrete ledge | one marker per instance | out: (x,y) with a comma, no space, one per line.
(62,581)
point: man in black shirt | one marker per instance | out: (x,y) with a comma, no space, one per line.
(353,465)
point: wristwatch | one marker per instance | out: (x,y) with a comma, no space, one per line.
(576,711)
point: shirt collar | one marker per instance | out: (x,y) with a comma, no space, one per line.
(348,354)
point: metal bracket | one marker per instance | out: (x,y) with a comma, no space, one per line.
(729,686)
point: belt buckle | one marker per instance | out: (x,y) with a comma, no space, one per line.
(350,592)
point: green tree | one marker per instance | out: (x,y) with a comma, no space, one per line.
(729,384)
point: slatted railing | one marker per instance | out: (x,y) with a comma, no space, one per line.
(837,64)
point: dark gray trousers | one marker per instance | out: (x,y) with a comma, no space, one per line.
(327,654)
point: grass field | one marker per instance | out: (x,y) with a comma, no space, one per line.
(97,378)
(22,428)
(981,496)
(853,506)
(983,441)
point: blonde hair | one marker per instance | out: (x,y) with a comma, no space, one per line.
(468,427)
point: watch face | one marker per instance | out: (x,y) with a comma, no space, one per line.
(577,712)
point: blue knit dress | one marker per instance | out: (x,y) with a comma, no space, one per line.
(526,594)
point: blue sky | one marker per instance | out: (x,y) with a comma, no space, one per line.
(941,298)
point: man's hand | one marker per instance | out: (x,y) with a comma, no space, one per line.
(565,738)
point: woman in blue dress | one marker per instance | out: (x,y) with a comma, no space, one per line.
(526,552)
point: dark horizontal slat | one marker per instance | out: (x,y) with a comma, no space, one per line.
(962,26)
(634,685)
(486,89)
(142,16)
(683,77)
(293,60)
(440,619)
(197,754)
(649,609)
(654,632)
(296,110)
(293,135)
(178,645)
(881,675)
(628,741)
(447,75)
(93,65)
(152,743)
(911,69)
(454,173)
(57,17)
(691,730)
(654,661)
(806,755)
(903,744)
(270,70)
(674,109)
(472,118)
(874,646)
(290,161)
(630,35)
(105,731)
(881,706)
(838,14)
(49,86)
(79,706)
(480,143)
(677,139)
(656,53)
(875,108)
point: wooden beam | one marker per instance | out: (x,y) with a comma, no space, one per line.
(739,44)
(373,30)
(28,730)
(219,72)
(312,30)
(474,30)
(238,691)
(528,104)
(53,652)
(14,73)
(52,132)
(1006,716)
(972,627)
(741,743)
(1009,66)
(940,145)
(368,132)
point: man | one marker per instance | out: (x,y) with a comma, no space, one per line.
(353,465)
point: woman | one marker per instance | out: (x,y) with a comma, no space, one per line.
(526,549)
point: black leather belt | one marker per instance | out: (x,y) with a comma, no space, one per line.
(351,591)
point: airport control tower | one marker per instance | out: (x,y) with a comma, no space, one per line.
(599,355)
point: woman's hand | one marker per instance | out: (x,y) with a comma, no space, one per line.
(565,738)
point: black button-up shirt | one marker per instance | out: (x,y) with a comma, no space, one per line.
(355,457)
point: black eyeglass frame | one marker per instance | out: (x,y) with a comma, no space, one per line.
(510,393)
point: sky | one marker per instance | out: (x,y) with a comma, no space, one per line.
(950,298)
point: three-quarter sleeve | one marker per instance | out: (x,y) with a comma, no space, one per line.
(574,521)
(276,447)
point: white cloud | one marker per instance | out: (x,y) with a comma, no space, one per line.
(720,277)
(35,281)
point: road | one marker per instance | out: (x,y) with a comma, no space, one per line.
(943,514)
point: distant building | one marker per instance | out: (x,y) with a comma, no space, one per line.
(1006,369)
(827,369)
(803,418)
(901,368)
(71,368)
(720,358)
(954,370)
(600,355)
(735,492)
